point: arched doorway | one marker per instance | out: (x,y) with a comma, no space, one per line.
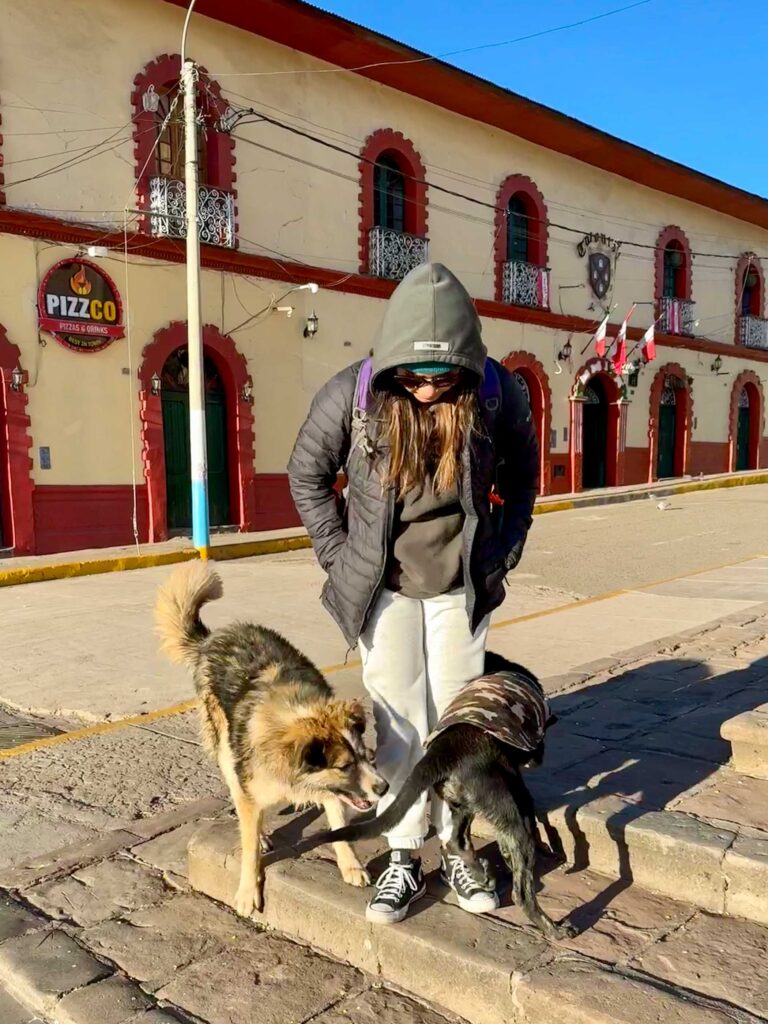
(667,449)
(594,471)
(746,421)
(669,423)
(533,380)
(175,399)
(743,432)
(233,406)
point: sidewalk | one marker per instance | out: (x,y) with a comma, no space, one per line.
(666,875)
(94,561)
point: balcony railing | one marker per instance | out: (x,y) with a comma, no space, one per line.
(677,316)
(168,209)
(393,254)
(525,284)
(753,331)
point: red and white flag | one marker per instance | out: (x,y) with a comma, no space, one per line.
(648,343)
(600,336)
(620,354)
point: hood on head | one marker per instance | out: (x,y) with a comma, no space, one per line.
(429,318)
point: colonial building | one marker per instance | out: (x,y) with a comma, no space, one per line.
(311,172)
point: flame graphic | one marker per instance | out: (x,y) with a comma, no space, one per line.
(79,283)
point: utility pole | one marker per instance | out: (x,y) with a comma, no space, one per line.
(197,444)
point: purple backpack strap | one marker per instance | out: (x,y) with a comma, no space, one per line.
(363,388)
(490,389)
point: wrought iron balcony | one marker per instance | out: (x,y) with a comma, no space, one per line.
(525,284)
(677,316)
(393,254)
(168,209)
(753,331)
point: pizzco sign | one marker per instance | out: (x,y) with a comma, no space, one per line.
(80,306)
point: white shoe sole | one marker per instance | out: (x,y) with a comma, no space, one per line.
(479,905)
(392,916)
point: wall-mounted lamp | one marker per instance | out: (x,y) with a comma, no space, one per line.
(565,352)
(312,324)
(150,100)
(247,393)
(715,367)
(156,384)
(17,379)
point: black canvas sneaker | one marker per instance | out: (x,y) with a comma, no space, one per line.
(396,889)
(473,896)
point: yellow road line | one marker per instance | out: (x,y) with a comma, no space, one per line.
(103,728)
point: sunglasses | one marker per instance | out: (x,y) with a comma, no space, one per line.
(439,381)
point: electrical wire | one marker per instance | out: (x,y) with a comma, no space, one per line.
(426,58)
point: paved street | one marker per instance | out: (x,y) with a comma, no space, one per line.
(81,651)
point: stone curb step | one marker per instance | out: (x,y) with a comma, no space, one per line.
(748,736)
(481,969)
(666,852)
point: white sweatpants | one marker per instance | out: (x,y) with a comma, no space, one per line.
(417,655)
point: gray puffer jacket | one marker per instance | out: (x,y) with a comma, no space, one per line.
(430,318)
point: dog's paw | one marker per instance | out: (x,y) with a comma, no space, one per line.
(266,844)
(356,875)
(564,930)
(245,900)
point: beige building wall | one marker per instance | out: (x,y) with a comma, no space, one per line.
(303,204)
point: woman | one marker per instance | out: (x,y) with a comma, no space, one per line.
(441,485)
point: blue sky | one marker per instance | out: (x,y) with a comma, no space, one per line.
(683,78)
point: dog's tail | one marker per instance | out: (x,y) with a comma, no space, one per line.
(177,610)
(436,765)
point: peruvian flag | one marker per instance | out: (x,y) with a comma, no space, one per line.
(600,336)
(648,343)
(542,287)
(620,355)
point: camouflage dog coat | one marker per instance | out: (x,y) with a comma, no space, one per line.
(510,706)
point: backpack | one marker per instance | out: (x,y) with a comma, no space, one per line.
(490,402)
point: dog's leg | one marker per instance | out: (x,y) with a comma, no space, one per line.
(352,871)
(250,891)
(497,797)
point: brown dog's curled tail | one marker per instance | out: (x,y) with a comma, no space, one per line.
(177,610)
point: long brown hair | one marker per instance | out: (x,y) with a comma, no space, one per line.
(426,439)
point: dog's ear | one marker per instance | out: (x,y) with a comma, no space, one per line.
(356,713)
(312,755)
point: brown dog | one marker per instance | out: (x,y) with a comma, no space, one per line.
(269,718)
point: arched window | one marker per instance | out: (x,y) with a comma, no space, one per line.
(518,235)
(522,275)
(159,151)
(673,282)
(751,327)
(388,193)
(393,206)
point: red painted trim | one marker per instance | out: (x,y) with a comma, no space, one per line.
(15,463)
(673,234)
(518,184)
(307,29)
(754,386)
(240,444)
(385,140)
(162,72)
(71,517)
(535,376)
(22,222)
(274,505)
(683,420)
(747,261)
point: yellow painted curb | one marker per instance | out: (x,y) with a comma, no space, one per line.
(96,730)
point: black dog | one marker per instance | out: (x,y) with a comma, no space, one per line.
(473,760)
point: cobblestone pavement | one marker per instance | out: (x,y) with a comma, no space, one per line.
(110,932)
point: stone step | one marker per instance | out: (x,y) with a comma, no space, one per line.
(496,969)
(748,735)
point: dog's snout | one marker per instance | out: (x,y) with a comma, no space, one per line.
(380,787)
